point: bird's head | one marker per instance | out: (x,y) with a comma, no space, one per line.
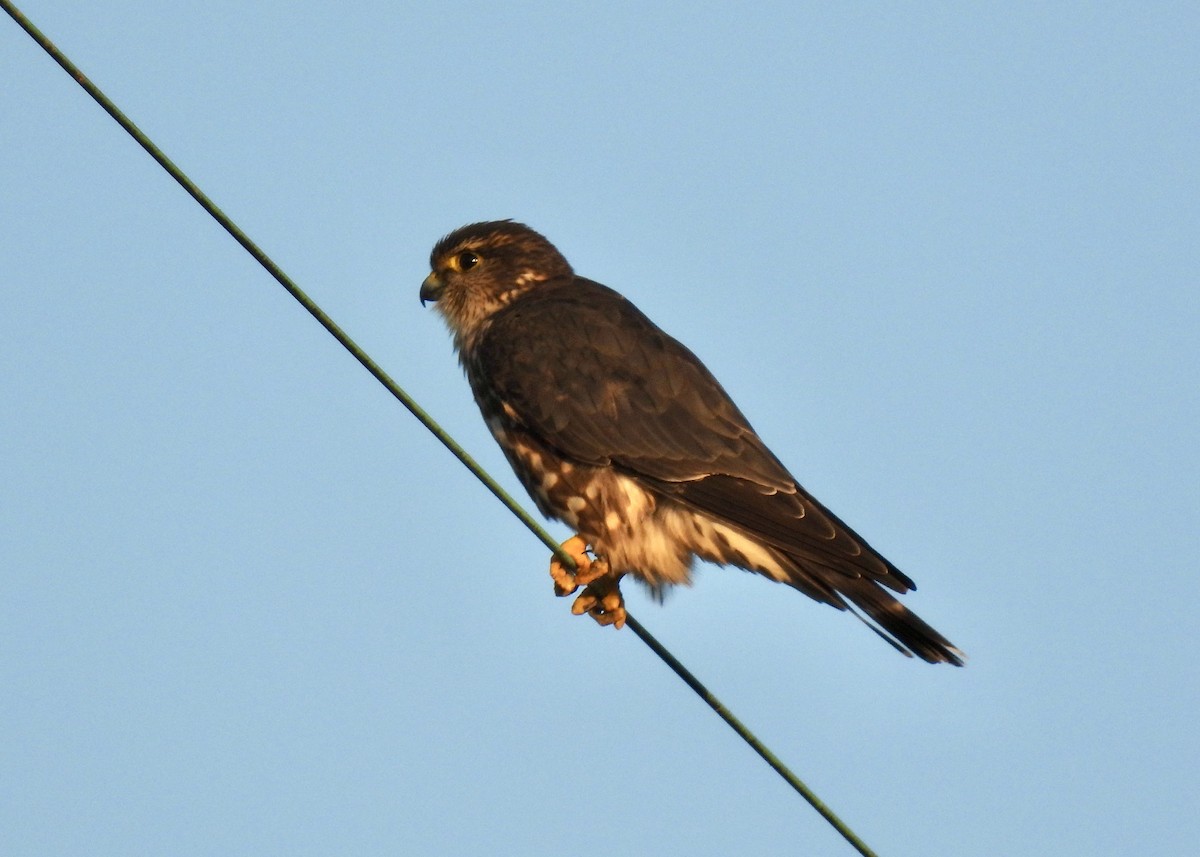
(482,268)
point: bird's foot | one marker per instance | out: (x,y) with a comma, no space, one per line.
(586,570)
(602,600)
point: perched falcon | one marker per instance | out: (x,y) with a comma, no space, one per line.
(621,432)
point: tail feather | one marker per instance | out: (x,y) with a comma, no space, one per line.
(900,626)
(851,589)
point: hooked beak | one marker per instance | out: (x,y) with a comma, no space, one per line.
(431,289)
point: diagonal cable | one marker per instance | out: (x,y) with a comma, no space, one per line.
(422,416)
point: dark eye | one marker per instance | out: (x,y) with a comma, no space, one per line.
(466,260)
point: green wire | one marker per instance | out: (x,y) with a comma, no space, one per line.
(417,411)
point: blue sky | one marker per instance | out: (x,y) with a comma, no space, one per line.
(943,256)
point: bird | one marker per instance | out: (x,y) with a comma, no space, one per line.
(622,433)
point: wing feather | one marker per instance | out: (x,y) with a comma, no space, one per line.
(599,382)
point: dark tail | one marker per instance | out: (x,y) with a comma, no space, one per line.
(901,627)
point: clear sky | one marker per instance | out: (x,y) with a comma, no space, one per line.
(944,256)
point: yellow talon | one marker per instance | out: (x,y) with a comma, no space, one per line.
(601,598)
(565,580)
(586,568)
(602,601)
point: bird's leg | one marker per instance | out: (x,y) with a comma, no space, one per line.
(601,598)
(586,569)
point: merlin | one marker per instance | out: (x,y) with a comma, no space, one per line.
(619,431)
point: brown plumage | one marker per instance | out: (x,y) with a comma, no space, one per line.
(621,432)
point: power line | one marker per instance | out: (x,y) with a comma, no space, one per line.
(417,411)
